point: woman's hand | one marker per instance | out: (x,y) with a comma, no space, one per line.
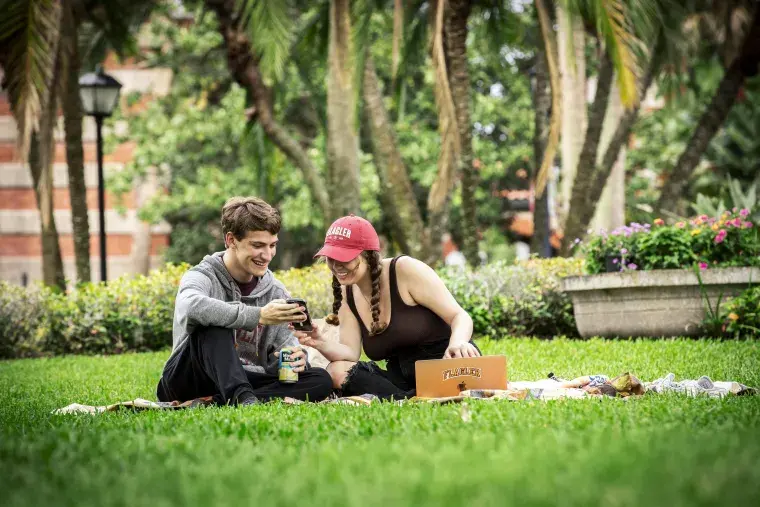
(462,350)
(311,338)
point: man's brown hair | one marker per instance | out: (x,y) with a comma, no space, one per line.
(243,214)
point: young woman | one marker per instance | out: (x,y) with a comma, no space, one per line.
(398,309)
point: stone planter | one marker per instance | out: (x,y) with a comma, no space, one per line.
(651,303)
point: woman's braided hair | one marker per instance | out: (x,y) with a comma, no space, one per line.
(375,271)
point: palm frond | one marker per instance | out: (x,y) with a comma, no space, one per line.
(29,38)
(552,142)
(447,119)
(502,27)
(270,25)
(111,28)
(313,33)
(615,28)
(618,23)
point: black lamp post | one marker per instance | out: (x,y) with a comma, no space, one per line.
(100,93)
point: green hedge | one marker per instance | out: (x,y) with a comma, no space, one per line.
(135,313)
(521,299)
(130,313)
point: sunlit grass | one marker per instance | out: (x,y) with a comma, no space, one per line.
(663,450)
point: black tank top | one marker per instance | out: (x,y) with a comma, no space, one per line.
(409,325)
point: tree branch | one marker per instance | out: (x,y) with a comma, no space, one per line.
(244,68)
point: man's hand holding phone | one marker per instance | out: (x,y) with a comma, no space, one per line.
(279,311)
(305,323)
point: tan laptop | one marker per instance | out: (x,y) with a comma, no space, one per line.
(448,377)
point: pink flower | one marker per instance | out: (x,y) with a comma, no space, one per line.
(702,266)
(632,266)
(746,225)
(720,236)
(736,222)
(659,221)
(624,251)
(744,212)
(614,261)
(680,225)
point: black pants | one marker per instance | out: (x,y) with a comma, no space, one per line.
(209,365)
(398,380)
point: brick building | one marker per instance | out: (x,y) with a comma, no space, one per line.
(132,246)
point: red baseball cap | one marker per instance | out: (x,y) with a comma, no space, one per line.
(347,237)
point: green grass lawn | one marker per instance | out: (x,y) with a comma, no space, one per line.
(664,450)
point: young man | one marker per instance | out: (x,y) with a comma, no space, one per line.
(231,320)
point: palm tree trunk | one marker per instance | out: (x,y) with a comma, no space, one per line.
(72,116)
(398,33)
(622,132)
(572,64)
(581,210)
(555,123)
(459,78)
(342,140)
(607,208)
(41,165)
(746,64)
(707,126)
(439,196)
(542,102)
(245,70)
(403,212)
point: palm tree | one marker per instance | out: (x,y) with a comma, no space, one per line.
(342,137)
(542,103)
(572,63)
(33,64)
(42,62)
(457,16)
(401,208)
(743,64)
(634,24)
(72,122)
(257,41)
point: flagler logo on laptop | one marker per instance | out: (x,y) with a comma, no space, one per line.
(449,377)
(462,372)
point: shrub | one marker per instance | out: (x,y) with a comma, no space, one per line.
(136,313)
(22,318)
(129,313)
(741,315)
(727,240)
(518,299)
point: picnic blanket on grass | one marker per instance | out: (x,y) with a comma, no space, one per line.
(627,385)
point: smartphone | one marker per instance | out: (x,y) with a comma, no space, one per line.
(305,325)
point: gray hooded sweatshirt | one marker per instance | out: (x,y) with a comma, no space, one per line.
(209,296)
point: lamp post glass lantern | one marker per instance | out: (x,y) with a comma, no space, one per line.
(100,94)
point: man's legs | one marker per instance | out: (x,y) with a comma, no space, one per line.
(313,384)
(207,365)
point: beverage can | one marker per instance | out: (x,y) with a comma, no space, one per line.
(287,375)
